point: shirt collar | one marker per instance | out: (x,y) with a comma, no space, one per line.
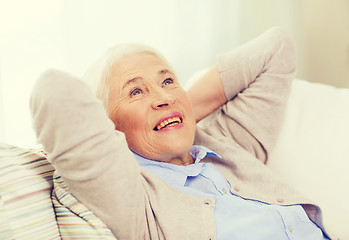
(176,174)
(200,152)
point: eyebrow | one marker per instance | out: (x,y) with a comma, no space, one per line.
(136,79)
(131,81)
(165,71)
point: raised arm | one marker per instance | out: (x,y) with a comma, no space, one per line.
(88,153)
(207,93)
(256,80)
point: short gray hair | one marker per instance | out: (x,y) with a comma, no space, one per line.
(98,76)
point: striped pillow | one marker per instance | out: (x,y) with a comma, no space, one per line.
(26,210)
(75,220)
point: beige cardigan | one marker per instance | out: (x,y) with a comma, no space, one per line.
(101,172)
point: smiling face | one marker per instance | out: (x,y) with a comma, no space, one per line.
(147,103)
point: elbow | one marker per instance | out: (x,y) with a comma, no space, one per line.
(285,58)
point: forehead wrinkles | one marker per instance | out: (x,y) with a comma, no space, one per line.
(135,65)
(144,65)
(122,82)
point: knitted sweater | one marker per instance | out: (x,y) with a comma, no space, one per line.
(102,173)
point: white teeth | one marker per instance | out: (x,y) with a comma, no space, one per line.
(171,121)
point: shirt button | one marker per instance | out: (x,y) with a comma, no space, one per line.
(280,200)
(224,191)
(290,228)
(236,188)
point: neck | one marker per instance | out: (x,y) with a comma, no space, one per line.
(184,160)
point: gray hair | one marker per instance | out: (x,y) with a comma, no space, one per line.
(98,76)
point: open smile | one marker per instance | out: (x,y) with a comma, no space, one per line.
(169,121)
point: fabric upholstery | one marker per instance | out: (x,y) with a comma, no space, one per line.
(74,220)
(29,209)
(312,151)
(25,187)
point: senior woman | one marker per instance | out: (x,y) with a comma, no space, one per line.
(148,172)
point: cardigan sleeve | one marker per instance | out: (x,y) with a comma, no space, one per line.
(256,78)
(92,157)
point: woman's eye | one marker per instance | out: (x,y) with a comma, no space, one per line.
(167,81)
(135,92)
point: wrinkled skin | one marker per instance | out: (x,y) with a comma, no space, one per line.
(143,92)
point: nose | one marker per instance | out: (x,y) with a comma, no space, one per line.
(162,99)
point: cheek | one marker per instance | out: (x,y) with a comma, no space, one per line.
(185,102)
(130,119)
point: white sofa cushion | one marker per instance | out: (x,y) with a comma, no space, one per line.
(312,152)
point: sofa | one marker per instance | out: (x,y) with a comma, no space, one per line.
(312,154)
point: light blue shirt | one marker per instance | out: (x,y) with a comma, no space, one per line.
(236,218)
